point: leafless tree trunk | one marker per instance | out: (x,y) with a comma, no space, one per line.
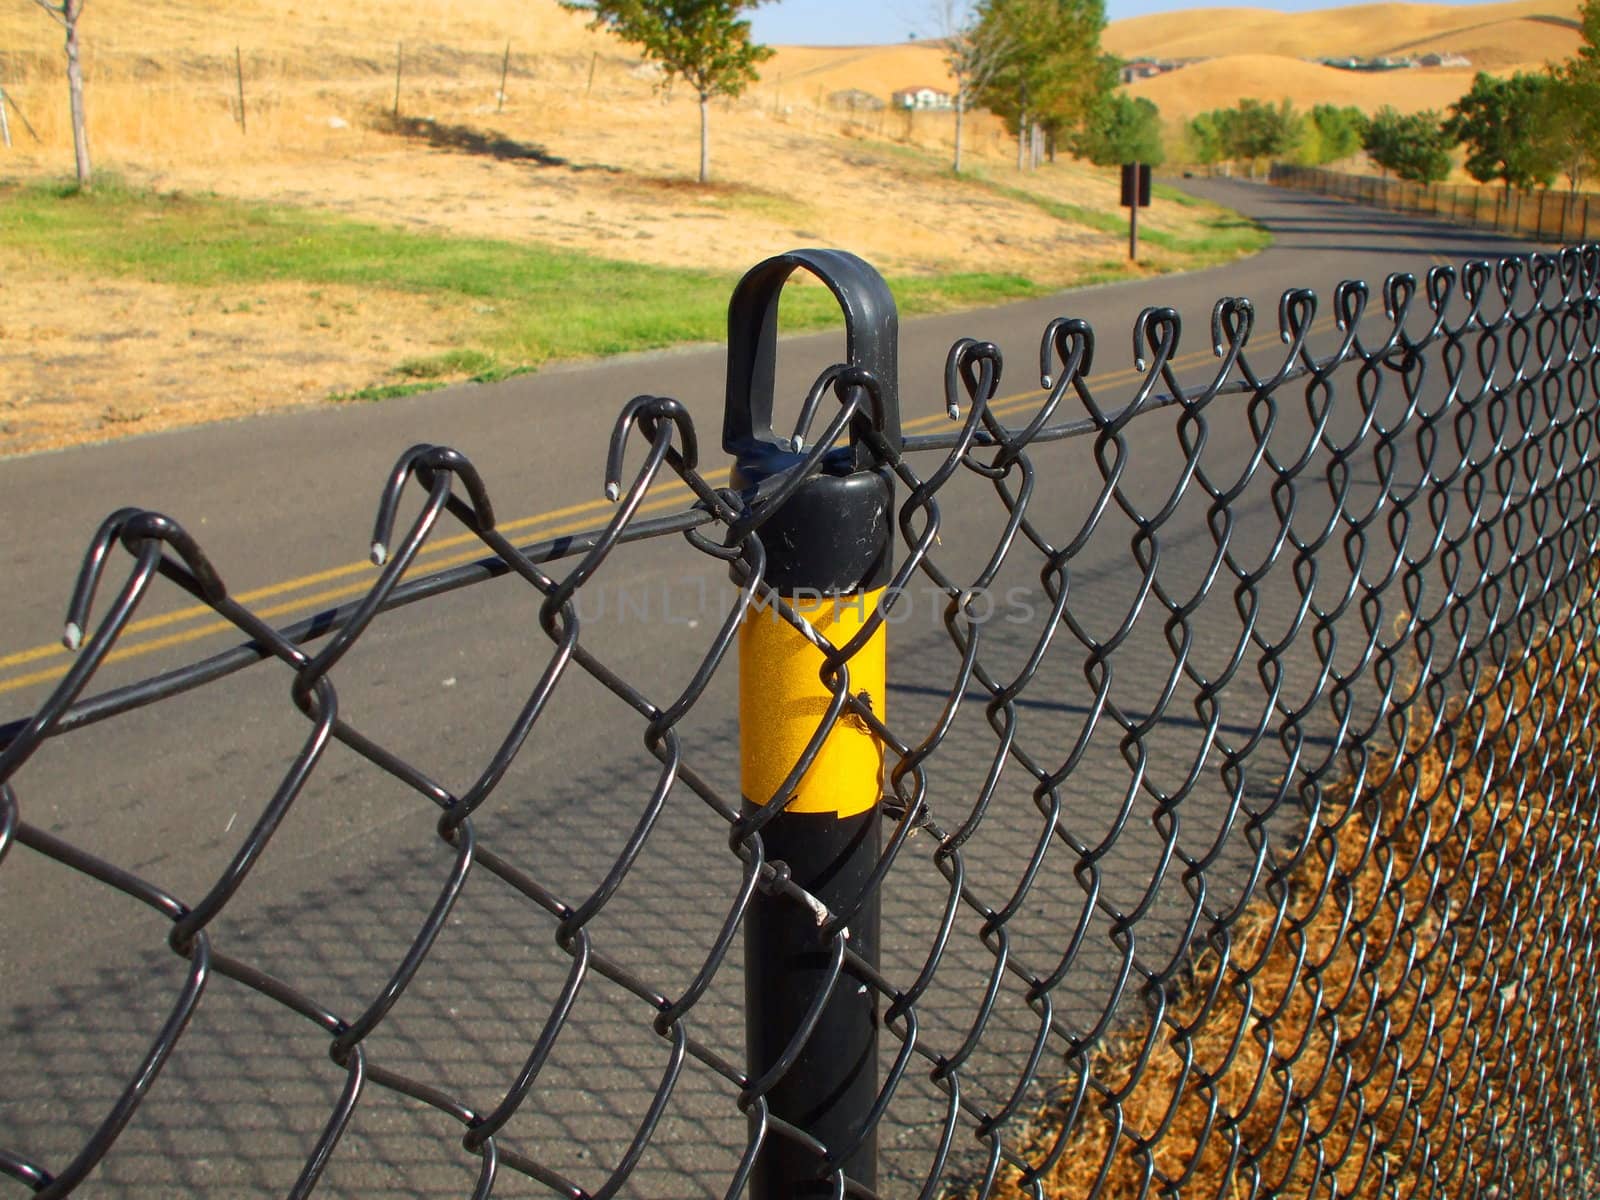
(961,108)
(67,13)
(972,60)
(705,137)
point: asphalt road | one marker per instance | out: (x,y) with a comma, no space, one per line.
(284,506)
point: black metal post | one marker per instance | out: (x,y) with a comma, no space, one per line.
(828,553)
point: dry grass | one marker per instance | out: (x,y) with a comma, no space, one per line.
(1409,1012)
(130,356)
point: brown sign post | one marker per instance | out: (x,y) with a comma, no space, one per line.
(1135,195)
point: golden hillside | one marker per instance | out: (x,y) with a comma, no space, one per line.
(1525,31)
(1223,82)
(114,29)
(809,70)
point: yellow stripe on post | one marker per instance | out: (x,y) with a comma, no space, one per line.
(782,701)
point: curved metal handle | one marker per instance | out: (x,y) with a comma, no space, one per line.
(872,335)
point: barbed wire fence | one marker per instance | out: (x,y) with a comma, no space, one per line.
(974,919)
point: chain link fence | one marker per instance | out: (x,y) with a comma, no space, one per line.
(1228,818)
(1545,214)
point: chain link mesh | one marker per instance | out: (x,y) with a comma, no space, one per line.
(1239,806)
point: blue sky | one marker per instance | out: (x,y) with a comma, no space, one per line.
(847,22)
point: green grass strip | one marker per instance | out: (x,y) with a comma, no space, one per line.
(529,303)
(519,304)
(1220,237)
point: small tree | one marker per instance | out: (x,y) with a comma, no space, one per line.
(1203,134)
(1414,145)
(1121,129)
(1572,115)
(973,54)
(702,42)
(1333,133)
(1499,121)
(1255,130)
(1571,120)
(66,13)
(1051,74)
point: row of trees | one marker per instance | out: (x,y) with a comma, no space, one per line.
(1526,130)
(1254,130)
(1521,132)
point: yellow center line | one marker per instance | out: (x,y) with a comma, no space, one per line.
(664,496)
(300,603)
(193,611)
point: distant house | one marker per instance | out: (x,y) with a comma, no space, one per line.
(1381,63)
(1141,68)
(922,97)
(855,100)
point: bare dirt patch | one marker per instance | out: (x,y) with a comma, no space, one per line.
(86,359)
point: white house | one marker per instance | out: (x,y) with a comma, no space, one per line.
(922,97)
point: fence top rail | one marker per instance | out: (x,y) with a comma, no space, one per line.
(1283,170)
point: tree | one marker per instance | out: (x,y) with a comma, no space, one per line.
(1498,121)
(66,13)
(973,55)
(1253,130)
(1121,129)
(1204,137)
(1572,116)
(1051,73)
(1413,145)
(702,42)
(1332,133)
(1571,121)
(1260,130)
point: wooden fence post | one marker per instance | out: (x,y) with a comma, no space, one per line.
(238,74)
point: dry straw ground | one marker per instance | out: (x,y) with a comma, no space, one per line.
(1397,1018)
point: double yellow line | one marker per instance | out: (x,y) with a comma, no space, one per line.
(353,579)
